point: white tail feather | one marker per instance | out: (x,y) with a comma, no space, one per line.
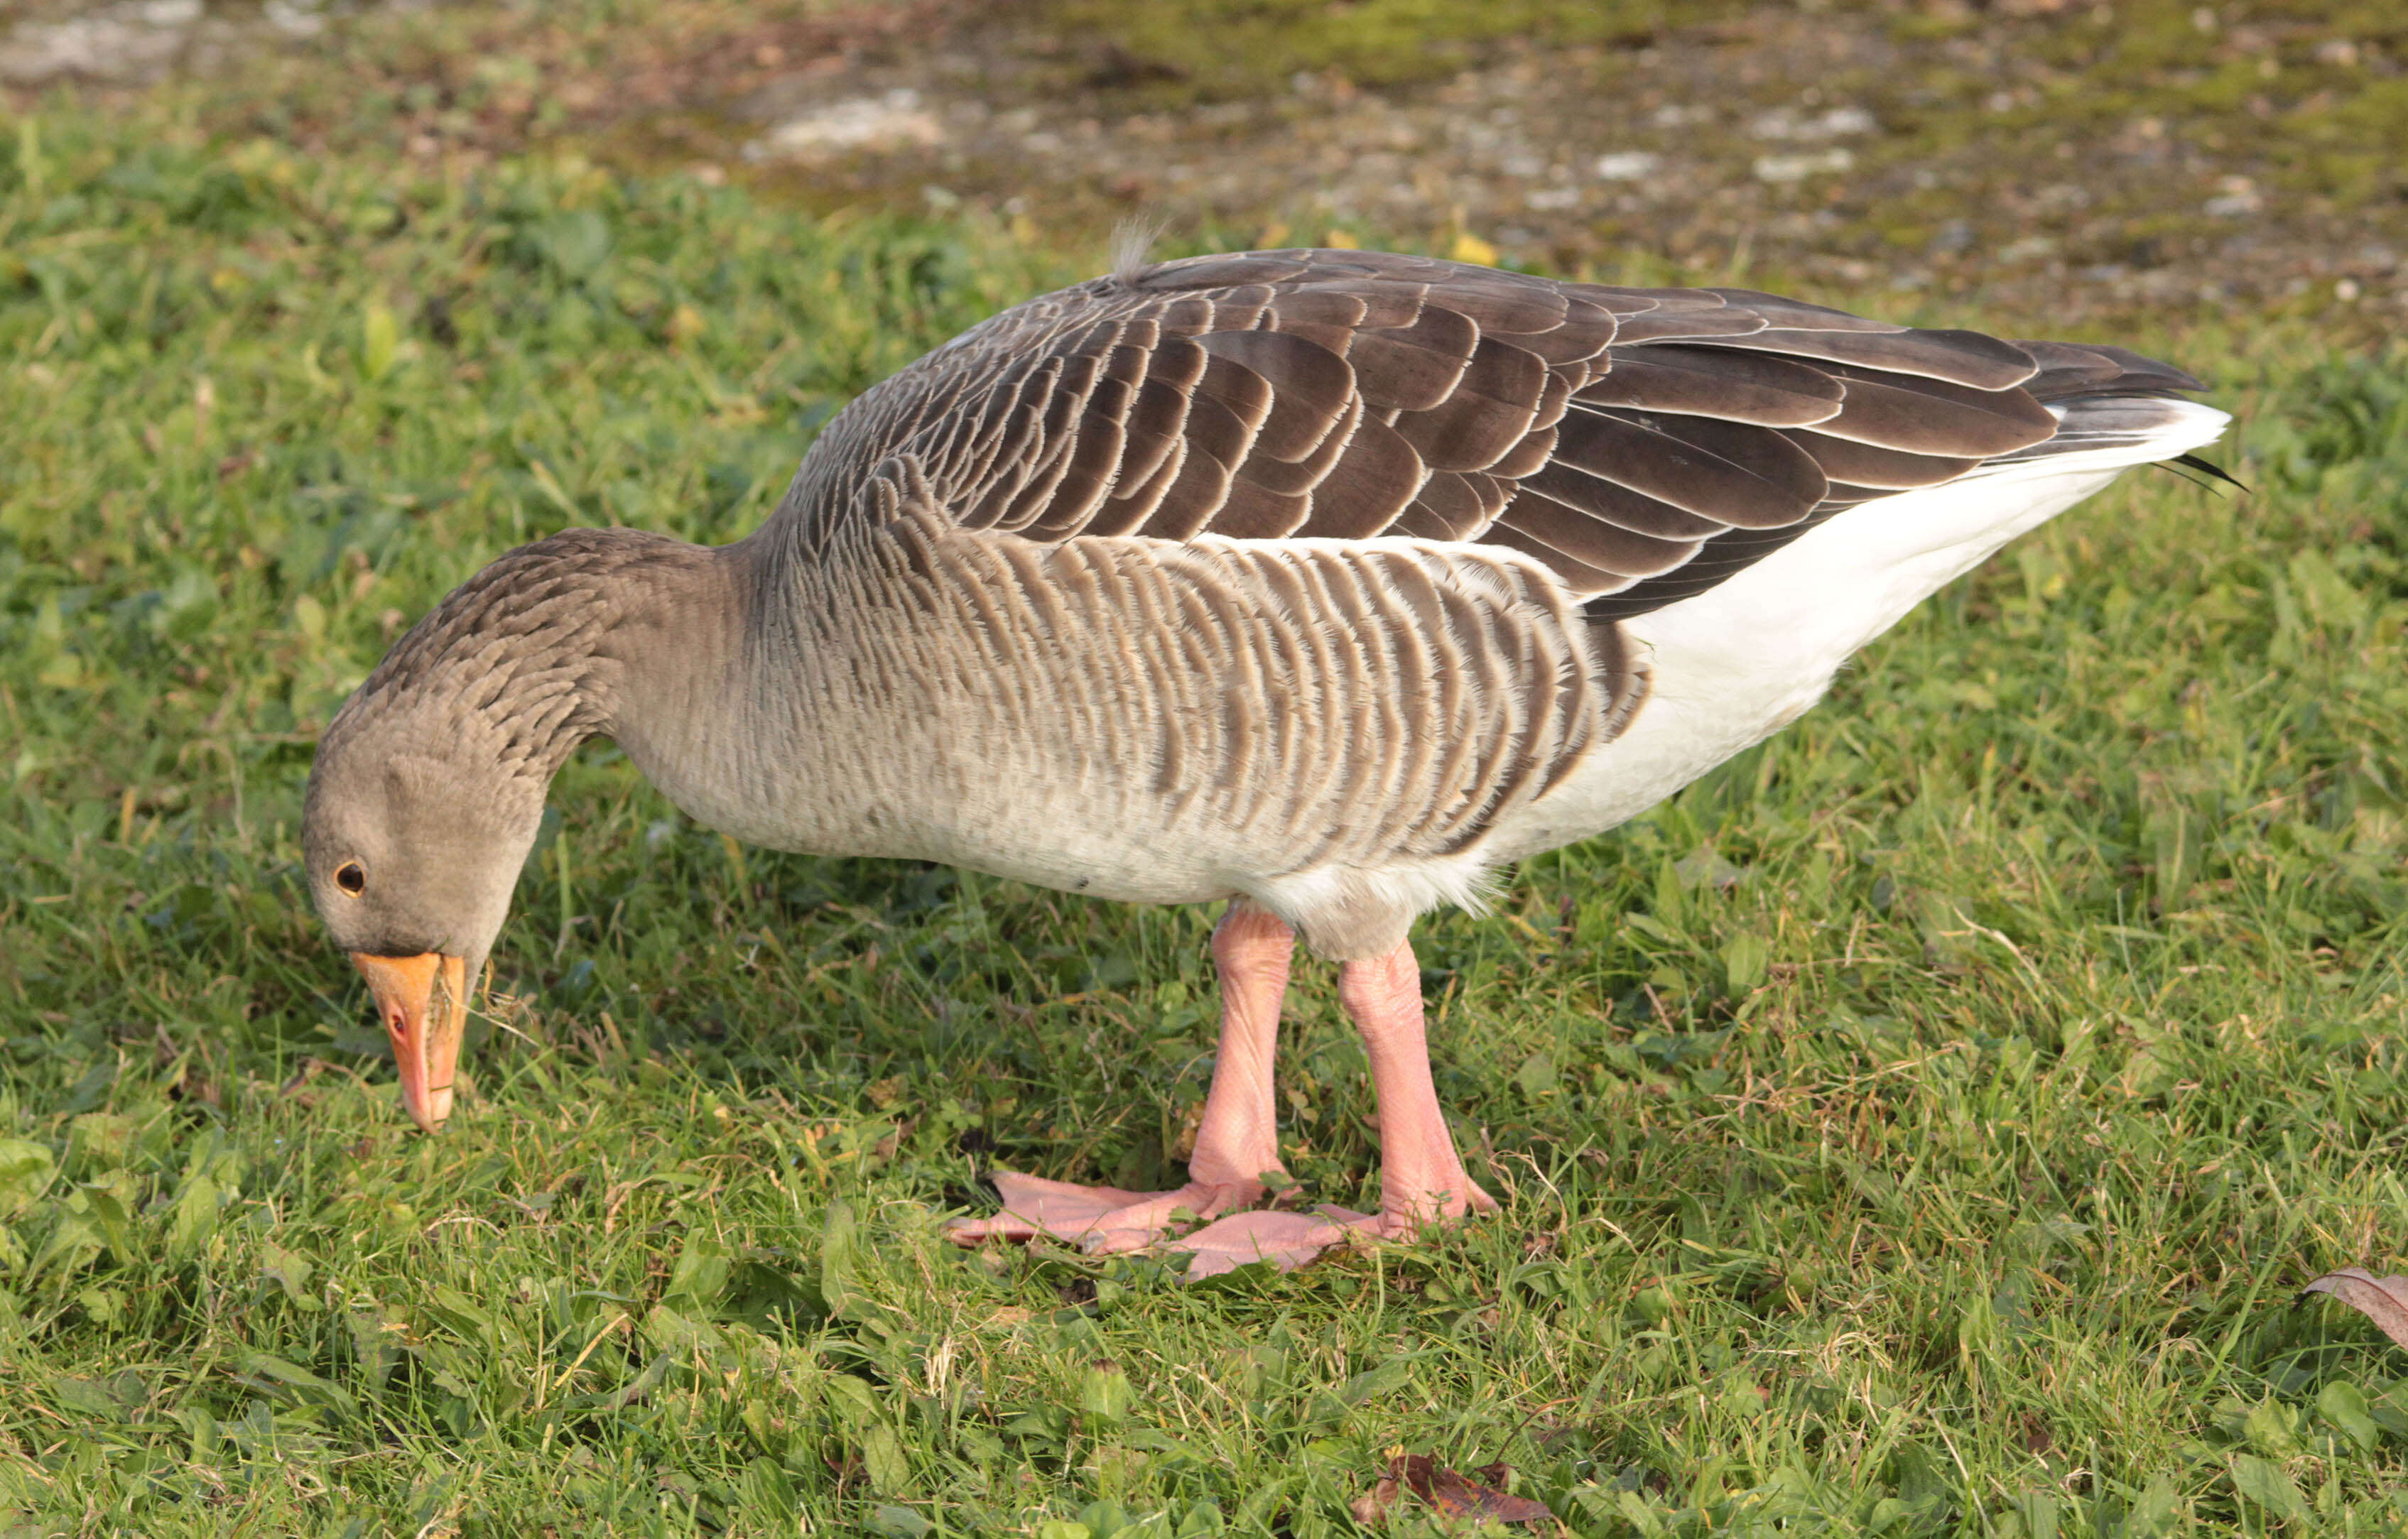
(2099,431)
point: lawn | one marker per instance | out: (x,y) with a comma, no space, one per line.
(1920,1126)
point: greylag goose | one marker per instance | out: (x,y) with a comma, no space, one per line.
(1321,584)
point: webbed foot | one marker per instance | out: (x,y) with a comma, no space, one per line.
(1104,1220)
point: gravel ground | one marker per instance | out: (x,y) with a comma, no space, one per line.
(136,42)
(1821,145)
(2062,162)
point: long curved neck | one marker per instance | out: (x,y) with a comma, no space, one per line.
(592,633)
(677,675)
(716,696)
(755,684)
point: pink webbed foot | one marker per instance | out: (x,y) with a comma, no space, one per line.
(1104,1220)
(1286,1240)
(1290,1240)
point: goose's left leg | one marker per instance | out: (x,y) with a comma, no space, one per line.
(1422,1178)
(1237,1142)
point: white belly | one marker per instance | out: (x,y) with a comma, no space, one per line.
(1740,661)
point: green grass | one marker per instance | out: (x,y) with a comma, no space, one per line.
(1919,1127)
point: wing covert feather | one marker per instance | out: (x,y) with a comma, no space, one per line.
(1620,437)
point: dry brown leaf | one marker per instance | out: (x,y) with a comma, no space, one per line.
(1370,1509)
(1472,1497)
(2382,1299)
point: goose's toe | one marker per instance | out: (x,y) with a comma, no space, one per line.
(1289,1240)
(1286,1240)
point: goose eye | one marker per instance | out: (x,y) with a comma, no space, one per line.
(350,878)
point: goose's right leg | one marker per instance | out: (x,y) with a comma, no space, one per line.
(1237,1142)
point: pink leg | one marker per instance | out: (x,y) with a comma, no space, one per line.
(1236,1143)
(1422,1178)
(1238,1139)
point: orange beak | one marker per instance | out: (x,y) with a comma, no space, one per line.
(425,1003)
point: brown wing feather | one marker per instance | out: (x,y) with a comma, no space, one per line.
(1643,443)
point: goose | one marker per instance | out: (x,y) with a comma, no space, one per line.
(1319,584)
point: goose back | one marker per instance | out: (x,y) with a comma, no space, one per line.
(1638,443)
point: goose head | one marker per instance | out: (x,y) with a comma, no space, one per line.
(428,785)
(414,833)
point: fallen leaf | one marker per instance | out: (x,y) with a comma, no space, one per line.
(2382,1299)
(1473,1497)
(1370,1509)
(2036,1437)
(1460,1497)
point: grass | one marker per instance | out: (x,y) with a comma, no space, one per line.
(1917,1128)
